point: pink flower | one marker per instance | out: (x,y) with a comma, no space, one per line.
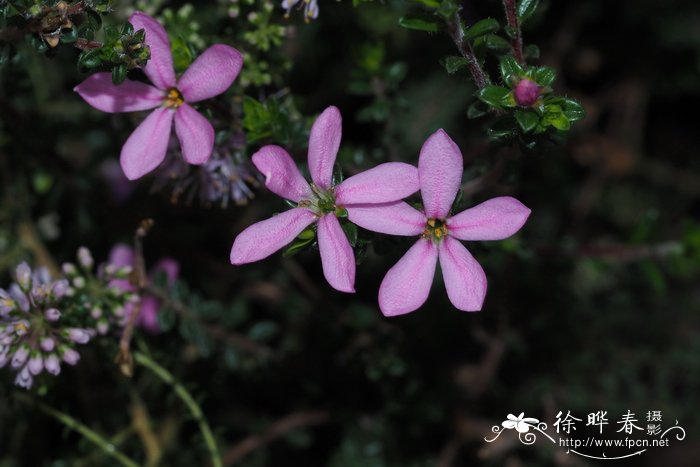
(406,286)
(319,202)
(210,75)
(123,255)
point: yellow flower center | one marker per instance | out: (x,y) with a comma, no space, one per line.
(173,99)
(435,229)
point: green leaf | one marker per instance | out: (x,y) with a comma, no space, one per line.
(483,27)
(454,64)
(351,232)
(420,23)
(502,128)
(544,75)
(494,43)
(94,20)
(555,117)
(477,109)
(531,51)
(263,331)
(526,8)
(493,95)
(89,59)
(573,110)
(510,32)
(510,67)
(527,119)
(448,8)
(429,3)
(119,74)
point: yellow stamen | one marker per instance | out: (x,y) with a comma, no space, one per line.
(173,99)
(21,327)
(431,222)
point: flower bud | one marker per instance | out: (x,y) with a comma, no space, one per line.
(60,288)
(70,356)
(24,276)
(52,364)
(526,92)
(20,357)
(47,344)
(24,379)
(85,258)
(69,269)
(35,365)
(79,336)
(52,314)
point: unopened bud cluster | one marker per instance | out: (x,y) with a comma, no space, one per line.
(43,320)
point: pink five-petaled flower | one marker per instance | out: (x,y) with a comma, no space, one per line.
(406,286)
(320,201)
(209,75)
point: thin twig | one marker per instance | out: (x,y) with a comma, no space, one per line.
(73,424)
(139,280)
(186,397)
(275,431)
(454,29)
(516,43)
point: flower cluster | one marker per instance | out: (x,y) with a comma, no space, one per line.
(372,200)
(33,336)
(43,319)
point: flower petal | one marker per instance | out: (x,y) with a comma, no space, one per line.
(324,142)
(282,176)
(440,167)
(129,96)
(159,67)
(146,147)
(384,183)
(337,256)
(495,219)
(465,281)
(148,316)
(407,285)
(121,255)
(195,133)
(211,73)
(264,238)
(397,218)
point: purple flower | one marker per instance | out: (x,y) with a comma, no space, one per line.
(406,286)
(210,75)
(319,202)
(123,255)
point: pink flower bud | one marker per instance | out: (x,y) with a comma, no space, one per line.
(52,314)
(35,365)
(47,344)
(52,364)
(20,357)
(24,276)
(526,92)
(70,356)
(79,336)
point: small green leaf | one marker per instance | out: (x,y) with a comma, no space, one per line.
(510,32)
(527,119)
(493,95)
(429,3)
(483,27)
(531,51)
(119,74)
(555,117)
(494,43)
(510,67)
(544,75)
(94,20)
(89,59)
(573,110)
(502,128)
(526,8)
(477,109)
(420,23)
(448,8)
(454,64)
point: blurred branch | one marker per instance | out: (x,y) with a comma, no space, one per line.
(454,29)
(139,280)
(73,424)
(142,425)
(275,431)
(189,401)
(517,41)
